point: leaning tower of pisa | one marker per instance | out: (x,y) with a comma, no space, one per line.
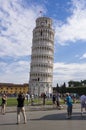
(42,58)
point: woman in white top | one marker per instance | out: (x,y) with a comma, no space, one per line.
(83,103)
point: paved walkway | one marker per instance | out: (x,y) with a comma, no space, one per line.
(49,119)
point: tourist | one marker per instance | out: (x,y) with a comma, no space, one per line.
(28,98)
(54,99)
(69,105)
(21,108)
(3,104)
(83,103)
(58,101)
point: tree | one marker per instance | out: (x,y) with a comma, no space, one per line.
(74,83)
(63,88)
(57,88)
(83,82)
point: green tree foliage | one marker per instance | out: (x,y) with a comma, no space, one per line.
(83,82)
(78,90)
(57,88)
(73,87)
(74,83)
(63,88)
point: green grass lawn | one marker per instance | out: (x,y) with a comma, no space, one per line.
(12,101)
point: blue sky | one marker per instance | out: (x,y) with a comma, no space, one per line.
(17,20)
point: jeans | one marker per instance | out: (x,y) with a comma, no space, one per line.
(69,110)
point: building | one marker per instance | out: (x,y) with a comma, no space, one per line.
(42,58)
(11,89)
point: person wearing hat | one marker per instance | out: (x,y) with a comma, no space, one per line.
(69,105)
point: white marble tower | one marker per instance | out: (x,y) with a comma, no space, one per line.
(42,58)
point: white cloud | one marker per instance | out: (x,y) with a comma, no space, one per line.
(75,27)
(16,72)
(17,21)
(16,25)
(83,56)
(65,72)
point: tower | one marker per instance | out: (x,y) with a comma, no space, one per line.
(42,58)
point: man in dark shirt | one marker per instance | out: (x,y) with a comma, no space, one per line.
(21,108)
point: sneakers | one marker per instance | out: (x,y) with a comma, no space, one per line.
(81,113)
(19,123)
(25,122)
(68,117)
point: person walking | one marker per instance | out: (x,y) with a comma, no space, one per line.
(69,105)
(83,103)
(54,99)
(3,104)
(21,108)
(43,95)
(58,101)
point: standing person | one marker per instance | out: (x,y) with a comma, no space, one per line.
(54,99)
(43,95)
(32,99)
(28,98)
(58,100)
(83,103)
(69,105)
(3,104)
(21,108)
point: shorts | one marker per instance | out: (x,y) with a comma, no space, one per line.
(83,105)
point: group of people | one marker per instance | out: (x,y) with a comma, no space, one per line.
(56,98)
(69,102)
(20,106)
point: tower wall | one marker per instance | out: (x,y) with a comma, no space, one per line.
(42,58)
